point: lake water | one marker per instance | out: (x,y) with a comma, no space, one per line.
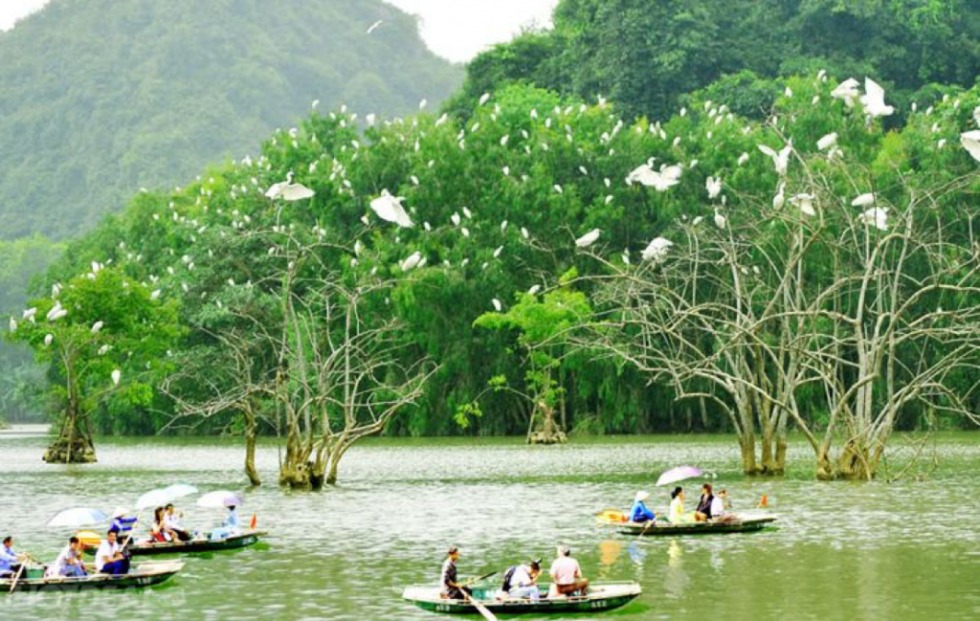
(907,550)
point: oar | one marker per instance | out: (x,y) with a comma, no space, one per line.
(20,570)
(483,610)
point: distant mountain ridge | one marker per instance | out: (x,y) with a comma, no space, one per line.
(101,97)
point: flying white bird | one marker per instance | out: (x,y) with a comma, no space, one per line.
(876,217)
(390,208)
(780,160)
(289,191)
(96,327)
(805,203)
(116,376)
(374,26)
(713,185)
(411,262)
(657,249)
(827,141)
(588,239)
(971,142)
(664,179)
(874,100)
(864,200)
(720,220)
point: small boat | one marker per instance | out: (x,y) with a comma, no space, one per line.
(139,576)
(601,596)
(198,544)
(735,524)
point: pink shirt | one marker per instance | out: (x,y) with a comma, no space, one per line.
(565,570)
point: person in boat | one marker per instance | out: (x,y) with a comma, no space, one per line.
(122,522)
(69,563)
(229,527)
(567,574)
(675,514)
(721,508)
(451,588)
(109,558)
(10,561)
(703,512)
(640,512)
(159,532)
(521,581)
(171,522)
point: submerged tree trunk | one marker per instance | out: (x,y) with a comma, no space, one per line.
(74,442)
(548,432)
(250,433)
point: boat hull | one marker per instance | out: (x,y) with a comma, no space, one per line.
(233,542)
(601,597)
(661,529)
(143,575)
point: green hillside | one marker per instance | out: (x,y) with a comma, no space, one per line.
(103,97)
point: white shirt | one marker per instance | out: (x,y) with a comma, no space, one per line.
(717,507)
(105,553)
(521,577)
(61,564)
(171,522)
(564,570)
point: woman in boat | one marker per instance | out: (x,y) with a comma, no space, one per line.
(229,527)
(172,523)
(159,532)
(675,514)
(703,512)
(640,513)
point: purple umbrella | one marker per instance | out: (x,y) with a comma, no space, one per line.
(678,474)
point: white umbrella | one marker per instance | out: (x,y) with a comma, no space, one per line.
(221,498)
(153,498)
(78,517)
(179,490)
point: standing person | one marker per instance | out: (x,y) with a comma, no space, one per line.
(109,558)
(172,523)
(703,512)
(448,580)
(567,574)
(10,561)
(675,514)
(69,563)
(522,581)
(640,512)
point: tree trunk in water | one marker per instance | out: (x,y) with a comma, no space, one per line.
(250,470)
(73,444)
(854,462)
(825,470)
(295,469)
(548,432)
(747,444)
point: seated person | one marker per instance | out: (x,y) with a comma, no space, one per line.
(521,581)
(720,508)
(639,512)
(159,532)
(229,527)
(567,575)
(122,522)
(171,523)
(109,558)
(451,588)
(10,561)
(703,511)
(675,514)
(69,563)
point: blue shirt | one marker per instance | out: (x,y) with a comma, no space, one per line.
(640,513)
(8,558)
(232,520)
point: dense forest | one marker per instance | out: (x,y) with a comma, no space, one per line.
(558,262)
(103,97)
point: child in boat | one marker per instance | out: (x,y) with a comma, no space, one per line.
(640,512)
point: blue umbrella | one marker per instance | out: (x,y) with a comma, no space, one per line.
(78,517)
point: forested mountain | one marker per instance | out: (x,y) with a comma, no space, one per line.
(102,97)
(647,56)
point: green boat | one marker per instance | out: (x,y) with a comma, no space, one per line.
(601,597)
(660,529)
(142,575)
(201,544)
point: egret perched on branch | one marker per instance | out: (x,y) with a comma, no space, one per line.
(805,203)
(96,327)
(116,376)
(289,191)
(497,305)
(390,208)
(874,100)
(657,249)
(411,262)
(827,141)
(876,217)
(971,142)
(864,200)
(48,338)
(847,91)
(588,239)
(713,185)
(780,198)
(664,179)
(720,220)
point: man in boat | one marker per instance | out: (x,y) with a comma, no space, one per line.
(109,558)
(451,587)
(720,508)
(640,513)
(567,575)
(10,561)
(69,563)
(521,581)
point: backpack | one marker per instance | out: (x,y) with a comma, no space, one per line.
(508,575)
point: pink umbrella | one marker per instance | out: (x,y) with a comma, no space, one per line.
(678,474)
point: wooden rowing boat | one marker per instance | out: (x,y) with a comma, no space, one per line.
(200,544)
(601,597)
(142,575)
(663,528)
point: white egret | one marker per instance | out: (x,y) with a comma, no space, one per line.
(664,179)
(864,200)
(467,213)
(713,185)
(427,226)
(56,312)
(497,252)
(289,191)
(971,142)
(411,262)
(484,98)
(847,91)
(525,233)
(104,349)
(743,158)
(155,295)
(876,217)
(697,220)
(780,198)
(13,324)
(48,338)
(497,305)
(465,231)
(390,208)
(116,376)
(503,226)
(29,313)
(455,219)
(588,239)
(97,326)
(534,289)
(720,220)
(657,249)
(827,141)
(805,203)
(874,100)
(780,159)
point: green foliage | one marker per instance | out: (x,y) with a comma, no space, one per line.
(101,98)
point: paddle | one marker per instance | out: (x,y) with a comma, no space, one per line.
(483,610)
(20,570)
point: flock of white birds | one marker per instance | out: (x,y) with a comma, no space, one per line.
(662,178)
